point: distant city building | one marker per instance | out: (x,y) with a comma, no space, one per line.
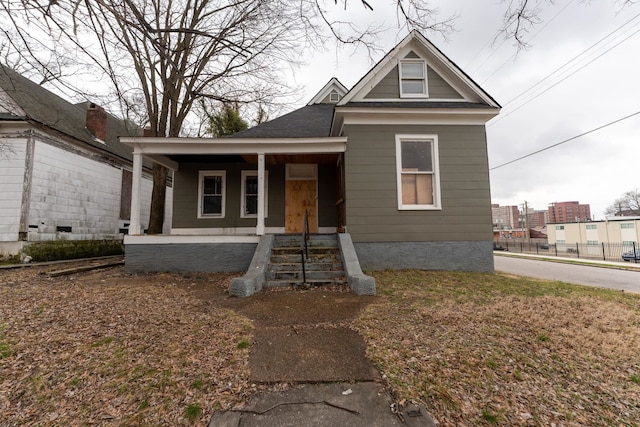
(538,218)
(568,212)
(505,217)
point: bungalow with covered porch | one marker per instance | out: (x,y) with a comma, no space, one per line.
(397,167)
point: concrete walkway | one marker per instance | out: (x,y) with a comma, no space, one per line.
(362,404)
(303,345)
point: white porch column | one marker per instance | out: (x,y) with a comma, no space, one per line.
(261,213)
(134,220)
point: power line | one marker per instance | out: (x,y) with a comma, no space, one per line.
(567,76)
(566,140)
(532,37)
(572,59)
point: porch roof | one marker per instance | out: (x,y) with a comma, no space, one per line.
(160,150)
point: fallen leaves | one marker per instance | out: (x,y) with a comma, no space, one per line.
(115,349)
(506,351)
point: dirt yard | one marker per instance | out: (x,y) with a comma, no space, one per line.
(108,348)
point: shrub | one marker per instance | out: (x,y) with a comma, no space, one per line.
(72,249)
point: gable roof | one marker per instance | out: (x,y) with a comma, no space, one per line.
(318,119)
(37,104)
(333,85)
(311,121)
(471,92)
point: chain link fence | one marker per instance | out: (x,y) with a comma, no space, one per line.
(602,251)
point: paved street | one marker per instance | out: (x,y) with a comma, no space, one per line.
(592,275)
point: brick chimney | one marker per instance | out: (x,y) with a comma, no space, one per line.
(146,132)
(97,121)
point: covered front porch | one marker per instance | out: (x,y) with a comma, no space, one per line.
(229,192)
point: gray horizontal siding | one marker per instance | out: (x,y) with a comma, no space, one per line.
(389,87)
(185,197)
(371,186)
(438,88)
(185,200)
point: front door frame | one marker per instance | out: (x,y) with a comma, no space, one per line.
(297,172)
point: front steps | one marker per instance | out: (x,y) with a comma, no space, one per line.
(323,267)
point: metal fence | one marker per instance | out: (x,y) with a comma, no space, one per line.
(601,251)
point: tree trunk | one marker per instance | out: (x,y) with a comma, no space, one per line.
(156,216)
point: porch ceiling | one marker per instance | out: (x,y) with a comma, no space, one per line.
(271,159)
(279,159)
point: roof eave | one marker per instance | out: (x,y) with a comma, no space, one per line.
(171,146)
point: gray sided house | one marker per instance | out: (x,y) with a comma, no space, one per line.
(397,166)
(64,174)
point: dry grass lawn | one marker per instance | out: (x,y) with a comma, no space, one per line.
(497,350)
(111,349)
(107,348)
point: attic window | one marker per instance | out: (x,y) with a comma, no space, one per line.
(334,97)
(413,78)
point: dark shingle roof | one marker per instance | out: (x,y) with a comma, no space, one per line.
(50,110)
(311,121)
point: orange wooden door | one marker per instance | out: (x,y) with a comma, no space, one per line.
(300,195)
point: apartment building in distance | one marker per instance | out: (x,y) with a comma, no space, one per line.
(538,218)
(505,217)
(560,212)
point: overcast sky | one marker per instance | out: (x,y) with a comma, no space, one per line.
(594,169)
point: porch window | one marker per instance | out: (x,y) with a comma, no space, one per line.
(417,172)
(413,79)
(249,208)
(211,191)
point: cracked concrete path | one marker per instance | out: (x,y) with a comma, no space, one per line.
(304,340)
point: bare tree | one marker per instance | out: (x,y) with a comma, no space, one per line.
(160,56)
(521,16)
(627,205)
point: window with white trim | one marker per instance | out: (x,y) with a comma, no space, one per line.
(413,78)
(627,225)
(249,200)
(211,194)
(417,169)
(592,227)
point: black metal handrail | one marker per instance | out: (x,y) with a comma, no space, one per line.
(304,246)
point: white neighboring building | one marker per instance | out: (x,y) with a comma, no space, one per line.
(618,230)
(64,175)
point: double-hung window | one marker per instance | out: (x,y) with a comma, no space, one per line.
(417,172)
(413,78)
(211,194)
(249,201)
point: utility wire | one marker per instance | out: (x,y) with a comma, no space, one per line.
(566,140)
(532,37)
(534,96)
(570,61)
(502,117)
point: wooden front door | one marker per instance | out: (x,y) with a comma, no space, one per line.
(300,196)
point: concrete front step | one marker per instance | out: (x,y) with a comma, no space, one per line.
(280,250)
(323,267)
(313,259)
(314,240)
(297,274)
(309,266)
(296,283)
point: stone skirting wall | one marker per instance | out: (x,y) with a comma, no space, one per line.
(189,257)
(461,256)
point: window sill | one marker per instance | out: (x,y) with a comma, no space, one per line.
(419,208)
